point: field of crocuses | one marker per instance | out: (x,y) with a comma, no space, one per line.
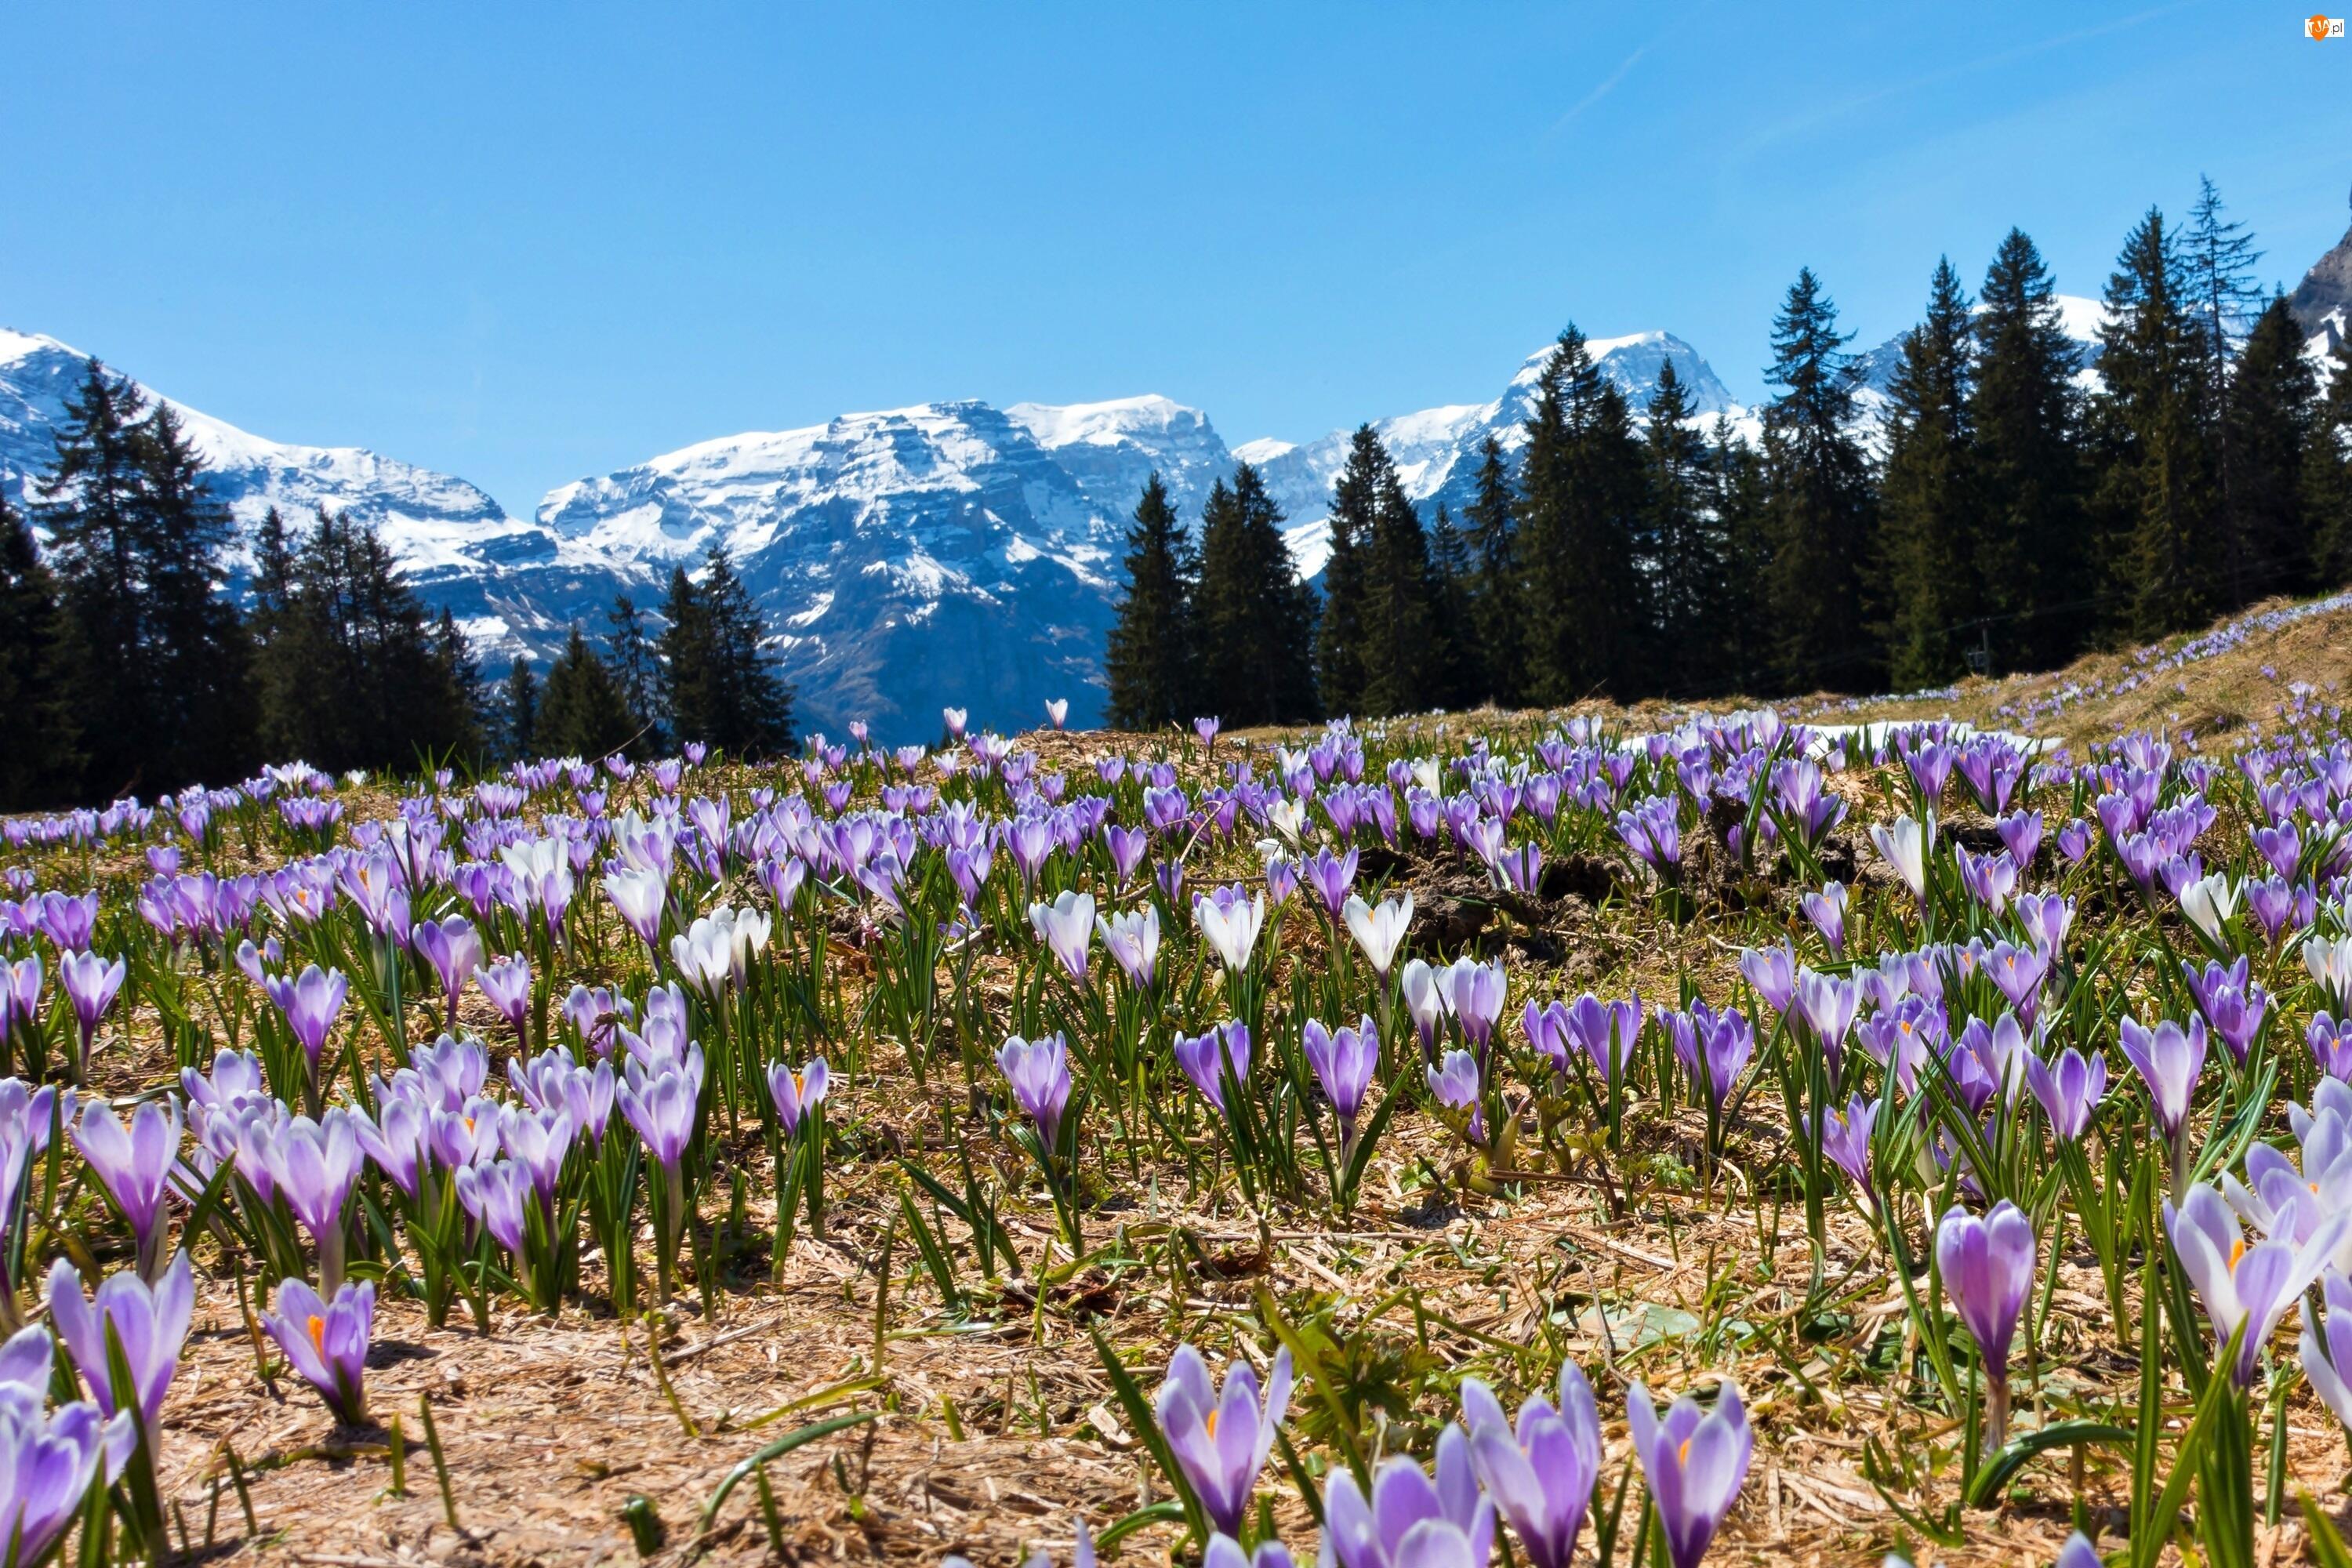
(1490,1137)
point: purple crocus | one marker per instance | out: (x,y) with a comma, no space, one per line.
(2069,1088)
(1607,1032)
(134,1165)
(1454,1085)
(313,1166)
(90,983)
(1409,1521)
(453,949)
(1345,1061)
(2238,1284)
(1988,1269)
(1474,993)
(48,1459)
(1220,1438)
(1826,910)
(1038,1073)
(327,1341)
(2326,1347)
(1541,1476)
(2169,1061)
(796,1094)
(1206,1057)
(150,1322)
(1845,1138)
(1772,971)
(1828,1004)
(311,1004)
(1695,1462)
(507,984)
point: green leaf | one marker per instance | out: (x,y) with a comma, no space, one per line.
(2004,1462)
(776,1450)
(1144,1422)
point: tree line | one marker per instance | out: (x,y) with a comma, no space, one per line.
(135,656)
(2009,514)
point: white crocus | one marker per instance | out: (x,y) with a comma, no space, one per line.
(639,896)
(1066,927)
(1378,931)
(1232,928)
(2209,902)
(2330,962)
(1429,774)
(1132,938)
(1906,845)
(1287,818)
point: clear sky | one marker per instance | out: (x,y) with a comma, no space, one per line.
(524,244)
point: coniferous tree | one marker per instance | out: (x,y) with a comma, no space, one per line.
(1927,500)
(2327,477)
(457,657)
(1689,585)
(348,669)
(722,688)
(636,670)
(1339,638)
(2271,423)
(1255,620)
(521,707)
(583,712)
(2033,560)
(1491,531)
(1149,658)
(1739,499)
(41,762)
(1822,516)
(1579,515)
(1462,678)
(1404,654)
(2218,290)
(2156,494)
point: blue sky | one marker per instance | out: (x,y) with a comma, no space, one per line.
(524,244)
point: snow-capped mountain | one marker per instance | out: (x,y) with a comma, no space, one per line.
(2322,302)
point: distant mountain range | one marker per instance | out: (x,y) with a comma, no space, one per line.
(948,553)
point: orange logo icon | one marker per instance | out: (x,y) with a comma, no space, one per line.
(2316,27)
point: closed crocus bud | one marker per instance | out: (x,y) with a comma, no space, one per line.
(1988,1270)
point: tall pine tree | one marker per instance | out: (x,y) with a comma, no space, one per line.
(1821,515)
(2270,424)
(521,707)
(1255,620)
(1737,494)
(41,762)
(2155,495)
(1149,660)
(722,688)
(2034,564)
(1404,652)
(1460,676)
(1580,507)
(1928,495)
(636,670)
(1491,531)
(583,712)
(2327,477)
(1690,586)
(1340,636)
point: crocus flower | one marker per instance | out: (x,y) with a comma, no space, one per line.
(796,1093)
(48,1459)
(1132,938)
(1206,1057)
(2210,903)
(453,949)
(1695,1462)
(90,986)
(507,984)
(2169,1061)
(1772,971)
(1905,846)
(312,1004)
(1474,993)
(1828,1004)
(313,1166)
(1409,1521)
(1066,927)
(1344,1061)
(2254,1286)
(327,1341)
(1826,910)
(1454,1084)
(1988,1269)
(1607,1032)
(1378,929)
(1540,1477)
(661,1107)
(2069,1088)
(151,1323)
(134,1165)
(1845,1138)
(1419,984)
(2326,1347)
(1057,708)
(1230,922)
(1038,1073)
(1221,1438)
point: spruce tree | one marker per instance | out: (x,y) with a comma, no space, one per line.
(2156,493)
(1687,537)
(1581,513)
(463,670)
(1149,658)
(1821,515)
(2272,420)
(583,712)
(637,670)
(2219,293)
(1928,494)
(1462,681)
(1739,497)
(722,688)
(2034,564)
(1404,652)
(521,707)
(1339,639)
(1255,620)
(1491,531)
(41,762)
